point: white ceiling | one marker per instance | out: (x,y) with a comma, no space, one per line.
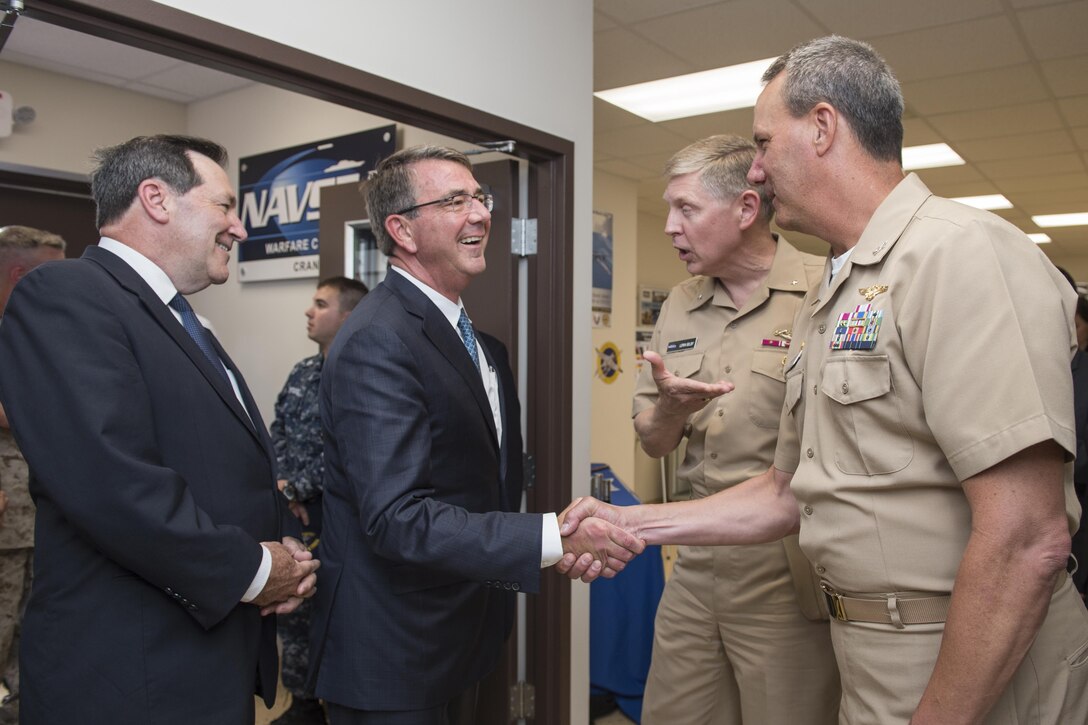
(1004,82)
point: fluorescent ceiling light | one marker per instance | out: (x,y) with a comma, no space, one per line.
(1061,220)
(709,91)
(987,201)
(930,156)
(1039,238)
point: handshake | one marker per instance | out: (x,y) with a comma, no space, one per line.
(597,540)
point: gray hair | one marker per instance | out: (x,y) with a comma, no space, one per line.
(119,170)
(722,162)
(16,240)
(852,77)
(390,187)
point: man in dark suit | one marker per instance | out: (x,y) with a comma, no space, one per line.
(422,547)
(156,551)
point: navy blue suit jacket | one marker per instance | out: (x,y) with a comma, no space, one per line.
(153,489)
(421,551)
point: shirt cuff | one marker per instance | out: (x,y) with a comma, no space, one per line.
(261,577)
(551,543)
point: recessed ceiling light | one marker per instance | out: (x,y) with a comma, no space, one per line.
(1039,238)
(986,201)
(930,156)
(708,91)
(1061,220)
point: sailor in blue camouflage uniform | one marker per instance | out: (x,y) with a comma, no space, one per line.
(296,440)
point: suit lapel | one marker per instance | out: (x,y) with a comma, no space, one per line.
(131,281)
(441,334)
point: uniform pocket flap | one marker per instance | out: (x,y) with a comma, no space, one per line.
(684,366)
(771,363)
(854,379)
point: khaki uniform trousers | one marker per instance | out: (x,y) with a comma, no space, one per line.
(728,652)
(885,670)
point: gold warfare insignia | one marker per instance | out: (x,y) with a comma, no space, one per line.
(872,291)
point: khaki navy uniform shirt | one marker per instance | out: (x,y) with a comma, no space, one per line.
(940,349)
(700,334)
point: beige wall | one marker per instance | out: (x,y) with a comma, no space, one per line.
(75,117)
(612,438)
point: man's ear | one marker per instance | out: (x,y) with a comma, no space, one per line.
(154,196)
(749,205)
(825,124)
(399,229)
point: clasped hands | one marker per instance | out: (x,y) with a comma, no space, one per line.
(292,578)
(596,541)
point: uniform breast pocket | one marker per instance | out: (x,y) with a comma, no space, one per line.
(768,383)
(868,433)
(684,366)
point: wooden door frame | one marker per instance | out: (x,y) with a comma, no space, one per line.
(178,34)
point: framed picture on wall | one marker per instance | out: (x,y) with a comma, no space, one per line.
(650,300)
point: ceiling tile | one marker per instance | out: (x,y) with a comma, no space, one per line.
(870,19)
(79,51)
(1080,135)
(647,138)
(1031,166)
(1054,182)
(607,117)
(917,131)
(633,11)
(959,48)
(1075,110)
(984,89)
(997,121)
(159,92)
(1052,202)
(760,29)
(621,58)
(1055,31)
(1007,147)
(936,179)
(602,22)
(195,81)
(1067,76)
(738,122)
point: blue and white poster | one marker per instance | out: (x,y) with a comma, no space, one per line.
(602,269)
(281,200)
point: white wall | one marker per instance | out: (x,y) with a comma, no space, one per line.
(530,62)
(613,439)
(75,117)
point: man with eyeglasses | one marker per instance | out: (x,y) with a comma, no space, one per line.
(422,542)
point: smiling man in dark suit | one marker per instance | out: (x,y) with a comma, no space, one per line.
(158,514)
(422,544)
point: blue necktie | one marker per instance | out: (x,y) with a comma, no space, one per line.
(198,332)
(468,336)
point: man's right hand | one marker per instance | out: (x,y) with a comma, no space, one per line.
(291,579)
(678,396)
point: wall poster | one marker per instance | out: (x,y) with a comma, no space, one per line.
(281,199)
(602,269)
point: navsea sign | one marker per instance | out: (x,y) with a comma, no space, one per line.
(281,199)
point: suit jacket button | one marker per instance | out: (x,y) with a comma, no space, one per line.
(516,587)
(506,585)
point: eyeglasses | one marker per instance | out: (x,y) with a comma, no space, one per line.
(456,203)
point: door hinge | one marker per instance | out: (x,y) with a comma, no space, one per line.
(522,701)
(523,237)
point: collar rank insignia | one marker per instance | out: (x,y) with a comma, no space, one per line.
(872,291)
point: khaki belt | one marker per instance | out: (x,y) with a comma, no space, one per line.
(886,609)
(893,609)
